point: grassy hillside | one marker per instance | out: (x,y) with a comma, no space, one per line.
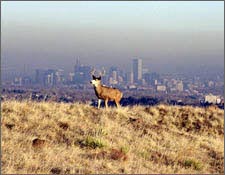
(77,138)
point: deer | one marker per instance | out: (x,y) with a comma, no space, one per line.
(105,93)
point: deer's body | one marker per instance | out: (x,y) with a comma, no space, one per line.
(106,93)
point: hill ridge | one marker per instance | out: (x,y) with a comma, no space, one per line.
(49,137)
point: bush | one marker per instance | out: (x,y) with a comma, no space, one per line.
(91,142)
(192,163)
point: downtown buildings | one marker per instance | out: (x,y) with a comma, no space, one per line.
(49,77)
(138,78)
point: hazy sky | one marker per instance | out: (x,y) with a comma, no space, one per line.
(169,36)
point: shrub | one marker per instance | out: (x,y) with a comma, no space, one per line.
(192,163)
(91,142)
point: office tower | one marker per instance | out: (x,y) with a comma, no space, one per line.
(114,75)
(137,70)
(59,76)
(130,77)
(50,77)
(81,73)
(40,76)
(180,86)
(71,77)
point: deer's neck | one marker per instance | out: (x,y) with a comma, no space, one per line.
(98,89)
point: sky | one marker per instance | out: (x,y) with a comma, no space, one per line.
(168,36)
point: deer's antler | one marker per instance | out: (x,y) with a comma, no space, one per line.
(92,71)
(102,73)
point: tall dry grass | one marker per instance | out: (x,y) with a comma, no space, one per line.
(76,138)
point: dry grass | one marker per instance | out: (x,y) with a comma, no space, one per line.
(77,138)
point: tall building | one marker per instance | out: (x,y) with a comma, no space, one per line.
(130,77)
(137,70)
(50,77)
(151,78)
(71,76)
(59,76)
(40,76)
(81,73)
(180,86)
(45,77)
(114,75)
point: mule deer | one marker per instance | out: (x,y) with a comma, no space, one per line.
(105,93)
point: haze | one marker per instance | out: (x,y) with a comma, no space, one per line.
(168,36)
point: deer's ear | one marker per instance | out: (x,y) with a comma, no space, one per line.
(99,78)
(94,78)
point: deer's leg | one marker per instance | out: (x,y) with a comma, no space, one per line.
(99,103)
(106,103)
(117,104)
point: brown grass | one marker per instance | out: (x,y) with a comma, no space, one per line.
(63,138)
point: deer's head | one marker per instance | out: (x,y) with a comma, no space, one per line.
(96,81)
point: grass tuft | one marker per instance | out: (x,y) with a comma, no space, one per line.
(91,142)
(192,163)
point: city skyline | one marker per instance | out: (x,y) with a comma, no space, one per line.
(174,89)
(188,35)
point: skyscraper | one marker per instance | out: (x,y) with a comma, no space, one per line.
(137,70)
(40,76)
(130,77)
(81,73)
